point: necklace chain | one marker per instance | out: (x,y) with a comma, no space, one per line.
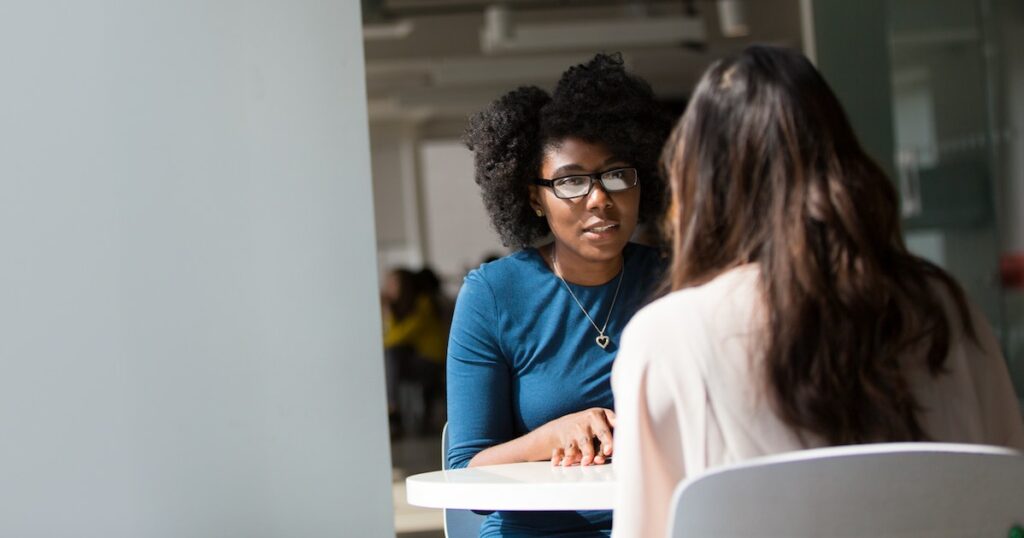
(601,340)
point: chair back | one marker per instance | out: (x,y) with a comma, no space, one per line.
(458,523)
(878,490)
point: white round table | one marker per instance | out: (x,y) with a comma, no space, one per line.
(515,486)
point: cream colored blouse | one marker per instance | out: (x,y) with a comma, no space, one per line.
(689,396)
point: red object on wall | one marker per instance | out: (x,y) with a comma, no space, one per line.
(1011,270)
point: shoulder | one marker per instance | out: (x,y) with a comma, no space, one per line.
(684,318)
(519,265)
(658,324)
(493,282)
(734,287)
(967,323)
(424,303)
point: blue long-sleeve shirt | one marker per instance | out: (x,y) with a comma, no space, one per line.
(522,353)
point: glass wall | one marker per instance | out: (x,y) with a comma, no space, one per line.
(946,64)
(935,90)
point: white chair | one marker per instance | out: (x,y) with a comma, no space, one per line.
(881,490)
(458,523)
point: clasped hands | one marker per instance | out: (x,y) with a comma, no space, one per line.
(583,438)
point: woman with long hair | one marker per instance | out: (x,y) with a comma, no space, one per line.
(566,177)
(797,318)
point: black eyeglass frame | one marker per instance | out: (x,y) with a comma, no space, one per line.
(595,177)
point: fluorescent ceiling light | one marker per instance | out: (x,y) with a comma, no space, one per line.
(732,18)
(500,35)
(385,31)
(472,71)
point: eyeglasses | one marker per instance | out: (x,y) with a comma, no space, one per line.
(617,180)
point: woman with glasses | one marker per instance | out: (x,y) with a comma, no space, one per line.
(566,178)
(798,318)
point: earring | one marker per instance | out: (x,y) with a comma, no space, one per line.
(539,212)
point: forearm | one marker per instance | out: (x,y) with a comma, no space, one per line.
(534,446)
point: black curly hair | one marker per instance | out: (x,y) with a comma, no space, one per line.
(598,102)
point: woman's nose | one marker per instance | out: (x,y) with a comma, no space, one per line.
(598,197)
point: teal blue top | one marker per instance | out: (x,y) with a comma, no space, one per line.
(522,353)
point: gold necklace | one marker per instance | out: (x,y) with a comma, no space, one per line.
(602,340)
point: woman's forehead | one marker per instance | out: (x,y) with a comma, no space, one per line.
(577,155)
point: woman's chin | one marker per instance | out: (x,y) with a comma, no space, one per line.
(602,247)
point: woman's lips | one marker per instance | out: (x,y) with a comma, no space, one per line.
(601,231)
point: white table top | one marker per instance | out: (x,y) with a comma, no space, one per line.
(515,486)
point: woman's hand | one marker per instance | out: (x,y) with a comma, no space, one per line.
(573,437)
(567,441)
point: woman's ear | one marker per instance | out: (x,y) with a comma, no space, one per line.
(538,208)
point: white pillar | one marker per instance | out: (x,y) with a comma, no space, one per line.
(188,293)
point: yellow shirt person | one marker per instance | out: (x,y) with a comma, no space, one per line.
(422,330)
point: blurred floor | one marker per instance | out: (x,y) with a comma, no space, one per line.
(425,534)
(411,455)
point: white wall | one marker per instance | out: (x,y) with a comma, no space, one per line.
(389,196)
(458,230)
(396,194)
(188,291)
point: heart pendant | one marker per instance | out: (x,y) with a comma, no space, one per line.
(602,341)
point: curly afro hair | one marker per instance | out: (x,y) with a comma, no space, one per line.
(598,102)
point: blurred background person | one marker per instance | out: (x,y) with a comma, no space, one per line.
(430,372)
(415,336)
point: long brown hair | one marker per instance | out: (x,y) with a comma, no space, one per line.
(764,167)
